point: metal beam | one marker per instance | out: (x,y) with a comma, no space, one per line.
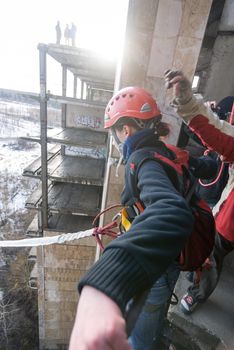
(43,117)
(78,102)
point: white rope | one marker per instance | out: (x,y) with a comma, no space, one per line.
(41,241)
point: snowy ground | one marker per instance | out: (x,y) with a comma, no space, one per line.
(15,155)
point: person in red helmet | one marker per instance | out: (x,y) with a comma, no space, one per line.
(145,257)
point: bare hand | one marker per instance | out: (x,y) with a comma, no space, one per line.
(182,88)
(99,323)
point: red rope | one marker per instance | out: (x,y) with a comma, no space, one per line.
(231,118)
(105,210)
(216,180)
(106,230)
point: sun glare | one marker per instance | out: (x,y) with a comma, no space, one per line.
(100,28)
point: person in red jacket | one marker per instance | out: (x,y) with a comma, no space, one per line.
(216,135)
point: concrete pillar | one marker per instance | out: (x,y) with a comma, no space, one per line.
(82,90)
(64,94)
(220,82)
(160,35)
(43,221)
(75,86)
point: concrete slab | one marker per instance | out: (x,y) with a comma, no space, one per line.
(79,137)
(84,63)
(81,170)
(68,198)
(69,223)
(34,169)
(212,323)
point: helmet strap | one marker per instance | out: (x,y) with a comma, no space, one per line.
(118,144)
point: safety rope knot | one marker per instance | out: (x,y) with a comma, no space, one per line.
(106,230)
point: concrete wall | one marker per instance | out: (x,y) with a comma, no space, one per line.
(59,269)
(160,35)
(84,116)
(220,79)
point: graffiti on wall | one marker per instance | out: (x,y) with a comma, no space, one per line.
(98,152)
(87,121)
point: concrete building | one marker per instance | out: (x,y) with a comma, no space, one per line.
(71,170)
(193,35)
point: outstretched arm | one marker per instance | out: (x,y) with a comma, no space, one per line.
(216,134)
(99,323)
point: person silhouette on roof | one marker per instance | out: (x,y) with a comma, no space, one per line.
(58,33)
(66,34)
(73,34)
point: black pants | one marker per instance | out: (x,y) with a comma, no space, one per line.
(210,277)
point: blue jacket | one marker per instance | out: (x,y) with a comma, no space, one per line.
(131,263)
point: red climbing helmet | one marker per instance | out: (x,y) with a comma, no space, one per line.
(133,102)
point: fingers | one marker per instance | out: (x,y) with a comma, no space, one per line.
(99,323)
(172,73)
(118,338)
(172,77)
(182,88)
(108,339)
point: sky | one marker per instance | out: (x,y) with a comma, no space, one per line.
(25,23)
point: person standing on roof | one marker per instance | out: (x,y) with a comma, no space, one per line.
(66,34)
(145,257)
(73,34)
(216,135)
(58,33)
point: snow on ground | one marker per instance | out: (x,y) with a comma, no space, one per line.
(14,127)
(14,187)
(15,155)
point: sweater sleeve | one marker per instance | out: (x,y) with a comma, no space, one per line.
(216,134)
(131,263)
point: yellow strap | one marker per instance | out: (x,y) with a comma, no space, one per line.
(124,220)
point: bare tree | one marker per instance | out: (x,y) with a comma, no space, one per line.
(8,311)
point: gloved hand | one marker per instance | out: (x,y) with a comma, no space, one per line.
(182,88)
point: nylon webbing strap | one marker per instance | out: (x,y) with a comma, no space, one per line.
(42,241)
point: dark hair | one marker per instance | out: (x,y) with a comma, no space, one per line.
(162,128)
(126,121)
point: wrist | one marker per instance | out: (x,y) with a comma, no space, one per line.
(93,296)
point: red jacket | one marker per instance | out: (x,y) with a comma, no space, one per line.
(225,218)
(217,135)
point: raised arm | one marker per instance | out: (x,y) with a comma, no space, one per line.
(216,134)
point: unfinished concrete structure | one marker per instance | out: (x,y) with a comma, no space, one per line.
(193,35)
(71,174)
